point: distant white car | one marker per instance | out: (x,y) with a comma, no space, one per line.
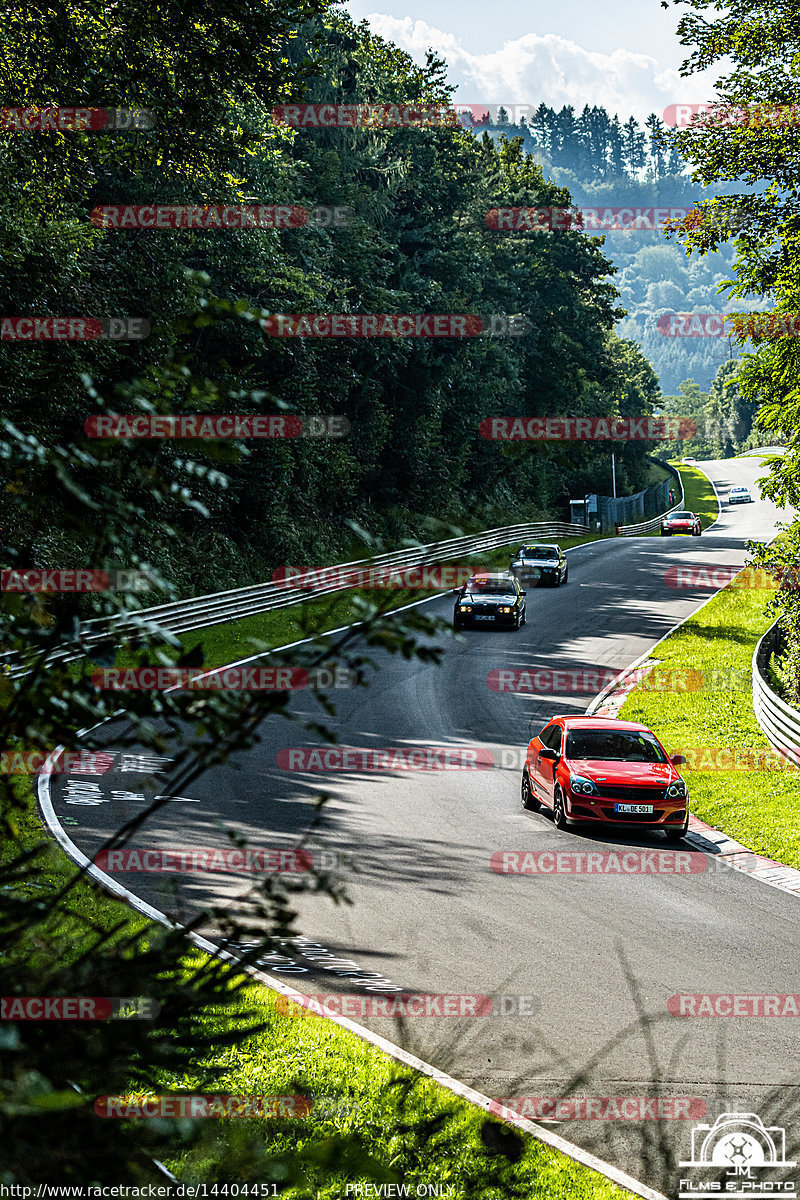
(740,495)
(688,460)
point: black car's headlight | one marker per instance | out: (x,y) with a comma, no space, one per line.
(676,789)
(465,608)
(583,786)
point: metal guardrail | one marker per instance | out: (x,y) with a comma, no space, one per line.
(199,612)
(780,723)
(654,522)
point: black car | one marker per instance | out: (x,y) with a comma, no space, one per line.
(490,599)
(541,563)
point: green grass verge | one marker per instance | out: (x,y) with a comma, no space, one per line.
(376,1120)
(698,494)
(418,1131)
(760,808)
(234,640)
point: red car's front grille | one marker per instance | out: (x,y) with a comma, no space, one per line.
(631,795)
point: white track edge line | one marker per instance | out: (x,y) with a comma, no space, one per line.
(583,1157)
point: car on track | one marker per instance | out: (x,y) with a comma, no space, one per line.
(605,771)
(739,495)
(490,598)
(540,563)
(681,522)
(689,459)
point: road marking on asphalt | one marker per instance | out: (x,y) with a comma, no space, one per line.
(78,791)
(144,763)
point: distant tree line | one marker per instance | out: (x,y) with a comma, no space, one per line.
(591,144)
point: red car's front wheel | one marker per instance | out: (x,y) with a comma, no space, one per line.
(677,835)
(559,815)
(529,801)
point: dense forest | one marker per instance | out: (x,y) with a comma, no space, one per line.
(413,462)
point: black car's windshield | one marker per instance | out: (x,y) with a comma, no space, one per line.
(494,587)
(614,744)
(539,552)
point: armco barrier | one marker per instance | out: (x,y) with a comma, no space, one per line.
(199,612)
(654,522)
(780,723)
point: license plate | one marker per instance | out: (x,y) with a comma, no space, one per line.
(633,808)
(484,618)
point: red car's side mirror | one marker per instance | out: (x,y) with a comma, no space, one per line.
(677,760)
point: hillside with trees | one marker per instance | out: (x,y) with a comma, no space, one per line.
(606,162)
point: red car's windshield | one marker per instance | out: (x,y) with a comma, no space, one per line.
(617,745)
(682,517)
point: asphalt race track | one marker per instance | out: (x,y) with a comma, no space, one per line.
(431,916)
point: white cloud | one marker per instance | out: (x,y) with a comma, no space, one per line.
(548,68)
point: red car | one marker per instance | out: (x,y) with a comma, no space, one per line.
(603,770)
(681,522)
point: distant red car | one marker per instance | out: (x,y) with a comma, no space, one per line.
(595,769)
(681,522)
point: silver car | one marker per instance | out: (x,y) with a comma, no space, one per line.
(540,564)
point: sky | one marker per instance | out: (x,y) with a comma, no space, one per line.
(623,55)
